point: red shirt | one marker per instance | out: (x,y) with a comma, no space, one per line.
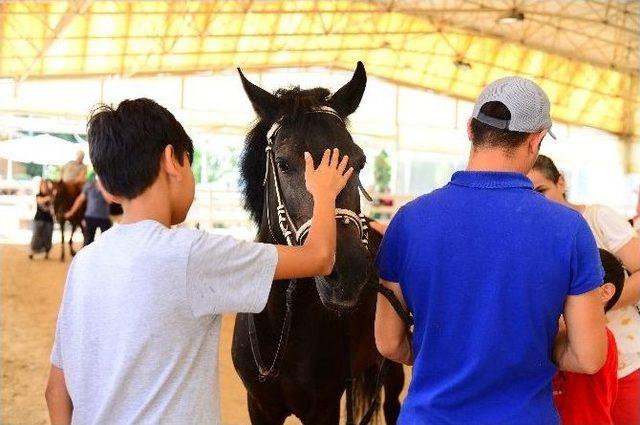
(587,399)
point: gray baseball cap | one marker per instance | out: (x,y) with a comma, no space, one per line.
(527,102)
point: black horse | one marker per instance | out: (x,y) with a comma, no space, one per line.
(331,324)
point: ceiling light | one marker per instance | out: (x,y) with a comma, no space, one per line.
(511,17)
(462,64)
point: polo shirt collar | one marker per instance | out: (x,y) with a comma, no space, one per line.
(491,180)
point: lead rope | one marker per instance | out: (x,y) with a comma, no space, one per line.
(384,365)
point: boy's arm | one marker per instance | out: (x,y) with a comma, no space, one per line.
(316,256)
(391,334)
(582,347)
(58,400)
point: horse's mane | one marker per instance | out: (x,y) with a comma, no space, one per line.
(293,105)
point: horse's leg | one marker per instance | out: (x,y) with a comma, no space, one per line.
(261,417)
(62,222)
(392,389)
(324,413)
(73,230)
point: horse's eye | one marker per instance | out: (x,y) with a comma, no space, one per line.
(283,165)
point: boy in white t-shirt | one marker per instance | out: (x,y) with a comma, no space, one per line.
(138,328)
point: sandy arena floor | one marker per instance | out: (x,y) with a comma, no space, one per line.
(31,292)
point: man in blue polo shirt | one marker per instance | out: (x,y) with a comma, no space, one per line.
(486,266)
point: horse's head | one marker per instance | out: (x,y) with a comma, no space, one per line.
(296,121)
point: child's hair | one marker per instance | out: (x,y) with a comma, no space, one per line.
(613,273)
(126,144)
(545,165)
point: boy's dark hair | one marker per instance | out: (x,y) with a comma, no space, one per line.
(126,144)
(613,273)
(484,135)
(546,166)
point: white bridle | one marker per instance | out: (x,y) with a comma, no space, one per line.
(286,224)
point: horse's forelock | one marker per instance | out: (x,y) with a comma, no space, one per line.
(293,107)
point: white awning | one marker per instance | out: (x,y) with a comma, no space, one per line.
(43,149)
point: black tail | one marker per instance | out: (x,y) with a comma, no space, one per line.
(364,394)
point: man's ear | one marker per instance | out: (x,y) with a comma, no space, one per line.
(469,132)
(535,140)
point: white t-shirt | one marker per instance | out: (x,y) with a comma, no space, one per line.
(612,232)
(138,328)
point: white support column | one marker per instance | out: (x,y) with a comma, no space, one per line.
(203,162)
(628,125)
(9,170)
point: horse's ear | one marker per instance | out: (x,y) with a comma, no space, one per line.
(346,100)
(264,103)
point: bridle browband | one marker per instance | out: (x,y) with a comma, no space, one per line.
(293,236)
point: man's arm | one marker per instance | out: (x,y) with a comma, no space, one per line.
(391,333)
(76,205)
(82,175)
(582,347)
(316,256)
(58,400)
(629,255)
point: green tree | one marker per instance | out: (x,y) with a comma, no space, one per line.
(382,171)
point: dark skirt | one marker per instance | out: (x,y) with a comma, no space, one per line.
(41,238)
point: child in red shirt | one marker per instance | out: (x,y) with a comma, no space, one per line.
(587,399)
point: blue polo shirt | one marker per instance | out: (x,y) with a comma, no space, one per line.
(485,265)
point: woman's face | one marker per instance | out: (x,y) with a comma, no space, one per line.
(551,190)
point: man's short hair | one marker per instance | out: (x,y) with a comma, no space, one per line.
(126,144)
(483,135)
(613,273)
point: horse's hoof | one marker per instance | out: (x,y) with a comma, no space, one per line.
(30,256)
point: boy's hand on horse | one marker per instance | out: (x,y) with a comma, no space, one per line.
(330,177)
(316,257)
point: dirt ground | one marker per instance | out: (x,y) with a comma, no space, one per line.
(31,292)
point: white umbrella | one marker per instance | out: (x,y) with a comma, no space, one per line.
(43,149)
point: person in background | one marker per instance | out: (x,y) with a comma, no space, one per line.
(43,221)
(487,266)
(614,234)
(588,399)
(97,214)
(74,171)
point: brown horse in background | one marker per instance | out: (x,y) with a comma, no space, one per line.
(64,195)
